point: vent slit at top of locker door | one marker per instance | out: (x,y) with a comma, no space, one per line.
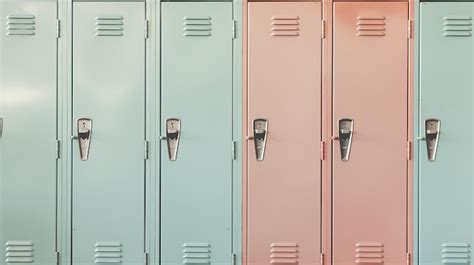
(197,26)
(109,26)
(457,26)
(23,24)
(371,26)
(285,26)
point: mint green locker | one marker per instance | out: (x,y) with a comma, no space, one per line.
(108,121)
(28,96)
(445,126)
(197,119)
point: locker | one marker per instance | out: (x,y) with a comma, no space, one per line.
(197,121)
(28,132)
(370,119)
(284,129)
(108,121)
(445,106)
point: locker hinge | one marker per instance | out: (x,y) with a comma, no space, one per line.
(234,29)
(234,259)
(58,149)
(58,28)
(322,259)
(58,258)
(323,150)
(147,150)
(323,29)
(234,150)
(145,258)
(410,29)
(409,150)
(408,259)
(147,29)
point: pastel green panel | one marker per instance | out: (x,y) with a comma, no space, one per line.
(108,200)
(446,186)
(196,189)
(28,136)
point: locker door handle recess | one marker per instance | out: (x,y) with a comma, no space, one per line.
(346,128)
(432,130)
(84,134)
(260,133)
(173,133)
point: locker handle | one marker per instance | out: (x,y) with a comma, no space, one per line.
(346,129)
(173,136)
(260,135)
(432,132)
(84,134)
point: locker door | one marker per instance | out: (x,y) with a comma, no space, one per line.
(196,188)
(370,87)
(28,132)
(108,88)
(284,87)
(446,186)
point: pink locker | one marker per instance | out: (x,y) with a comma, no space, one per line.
(283,202)
(371,45)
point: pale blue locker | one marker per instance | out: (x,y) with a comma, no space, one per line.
(28,147)
(108,128)
(445,125)
(197,121)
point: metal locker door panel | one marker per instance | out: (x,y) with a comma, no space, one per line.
(284,189)
(446,205)
(28,132)
(109,88)
(196,188)
(370,88)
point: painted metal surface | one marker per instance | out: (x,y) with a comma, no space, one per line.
(28,137)
(371,88)
(445,193)
(108,210)
(284,87)
(196,188)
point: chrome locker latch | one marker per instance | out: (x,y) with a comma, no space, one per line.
(84,133)
(346,128)
(432,130)
(260,133)
(173,131)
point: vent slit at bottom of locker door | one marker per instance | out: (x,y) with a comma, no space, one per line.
(196,253)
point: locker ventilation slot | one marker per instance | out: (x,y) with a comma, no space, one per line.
(196,253)
(369,253)
(457,26)
(456,253)
(371,26)
(109,26)
(21,25)
(284,253)
(108,252)
(197,26)
(19,252)
(285,26)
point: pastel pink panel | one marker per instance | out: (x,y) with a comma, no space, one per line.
(284,72)
(370,87)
